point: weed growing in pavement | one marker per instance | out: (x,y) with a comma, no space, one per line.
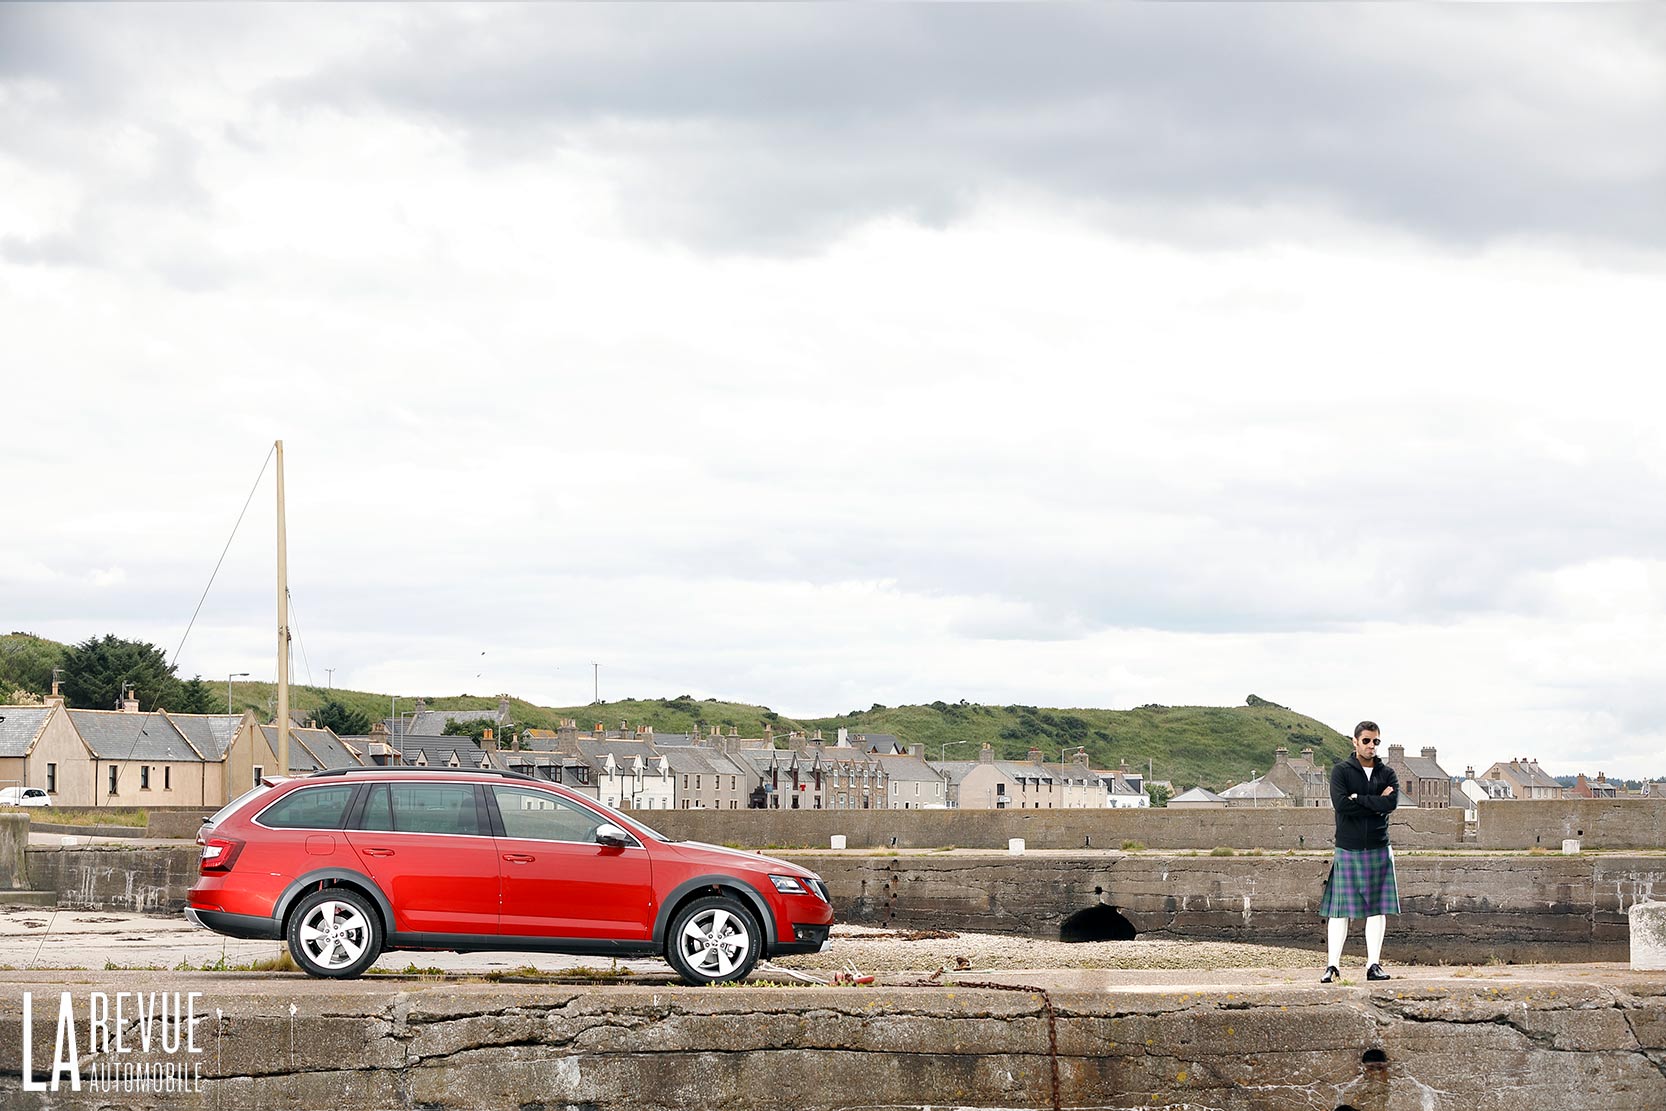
(1133,846)
(1223,850)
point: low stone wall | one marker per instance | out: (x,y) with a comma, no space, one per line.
(1465,908)
(1594,823)
(1276,827)
(283,1042)
(14,840)
(116,877)
(182,822)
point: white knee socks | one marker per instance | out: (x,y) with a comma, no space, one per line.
(1375,927)
(1337,934)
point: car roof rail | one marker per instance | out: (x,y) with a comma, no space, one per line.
(355,769)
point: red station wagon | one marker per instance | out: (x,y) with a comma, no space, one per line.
(349,863)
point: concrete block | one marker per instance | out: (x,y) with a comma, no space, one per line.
(1648,936)
(1570,846)
(837,841)
(14,842)
(1015,846)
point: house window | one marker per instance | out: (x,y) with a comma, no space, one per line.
(144,777)
(167,778)
(685,781)
(731,783)
(112,779)
(696,783)
(51,778)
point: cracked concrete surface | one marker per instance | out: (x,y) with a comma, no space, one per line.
(1549,1037)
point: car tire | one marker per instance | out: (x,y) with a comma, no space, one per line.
(712,940)
(334,933)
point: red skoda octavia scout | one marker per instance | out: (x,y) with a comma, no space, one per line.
(349,863)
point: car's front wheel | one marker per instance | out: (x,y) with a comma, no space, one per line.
(713,939)
(334,933)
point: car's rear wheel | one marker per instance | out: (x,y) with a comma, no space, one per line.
(713,939)
(334,933)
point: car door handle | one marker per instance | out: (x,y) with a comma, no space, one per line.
(519,858)
(377,852)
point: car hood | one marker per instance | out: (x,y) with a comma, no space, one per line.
(699,850)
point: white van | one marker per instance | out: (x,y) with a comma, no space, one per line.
(24,796)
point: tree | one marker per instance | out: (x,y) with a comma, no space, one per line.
(345,721)
(196,697)
(1159,794)
(26,662)
(95,671)
(472,727)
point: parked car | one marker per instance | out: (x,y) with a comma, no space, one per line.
(349,863)
(24,796)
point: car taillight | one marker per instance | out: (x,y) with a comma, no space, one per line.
(219,853)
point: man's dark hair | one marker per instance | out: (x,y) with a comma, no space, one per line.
(1365,727)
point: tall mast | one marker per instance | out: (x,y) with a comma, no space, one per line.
(283,628)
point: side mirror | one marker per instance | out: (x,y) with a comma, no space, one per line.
(609,834)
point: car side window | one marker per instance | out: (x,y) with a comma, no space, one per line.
(309,808)
(421,808)
(544,816)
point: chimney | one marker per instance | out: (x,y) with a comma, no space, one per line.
(600,728)
(129,700)
(421,705)
(917,750)
(1396,752)
(1602,778)
(488,741)
(733,731)
(1281,755)
(816,736)
(1469,772)
(503,707)
(1033,756)
(1580,786)
(769,735)
(1428,752)
(1307,754)
(844,736)
(986,754)
(1080,759)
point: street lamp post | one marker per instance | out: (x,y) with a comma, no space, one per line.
(943,752)
(229,678)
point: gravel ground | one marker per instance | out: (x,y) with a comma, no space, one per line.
(878,951)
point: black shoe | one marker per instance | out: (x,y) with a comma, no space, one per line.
(1375,972)
(1331,976)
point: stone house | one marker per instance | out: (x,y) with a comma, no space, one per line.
(142,759)
(913,783)
(1301,779)
(39,747)
(705,778)
(1526,779)
(1598,788)
(1255,792)
(1197,798)
(1423,782)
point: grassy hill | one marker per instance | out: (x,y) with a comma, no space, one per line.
(1210,745)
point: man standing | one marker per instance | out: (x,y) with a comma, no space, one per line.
(1364,792)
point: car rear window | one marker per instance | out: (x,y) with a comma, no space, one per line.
(422,808)
(309,808)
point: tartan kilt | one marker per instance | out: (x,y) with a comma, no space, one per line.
(1361,884)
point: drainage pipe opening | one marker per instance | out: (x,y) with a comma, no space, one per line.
(1097,923)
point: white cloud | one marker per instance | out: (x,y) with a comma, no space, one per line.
(820,416)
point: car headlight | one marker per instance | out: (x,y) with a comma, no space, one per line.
(788,885)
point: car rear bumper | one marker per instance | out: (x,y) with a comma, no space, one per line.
(234,925)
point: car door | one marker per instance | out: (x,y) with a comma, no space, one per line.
(558,881)
(427,845)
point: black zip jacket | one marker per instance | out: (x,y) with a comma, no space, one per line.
(1362,823)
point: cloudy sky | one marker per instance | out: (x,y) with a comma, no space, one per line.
(820,356)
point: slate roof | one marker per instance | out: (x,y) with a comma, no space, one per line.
(437,751)
(700,761)
(313,750)
(209,734)
(1196,794)
(1023,769)
(1115,786)
(19,726)
(432,723)
(884,744)
(623,753)
(1254,789)
(909,769)
(1075,774)
(115,735)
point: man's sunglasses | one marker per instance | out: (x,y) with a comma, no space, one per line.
(1371,742)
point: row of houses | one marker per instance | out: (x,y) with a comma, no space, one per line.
(157,759)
